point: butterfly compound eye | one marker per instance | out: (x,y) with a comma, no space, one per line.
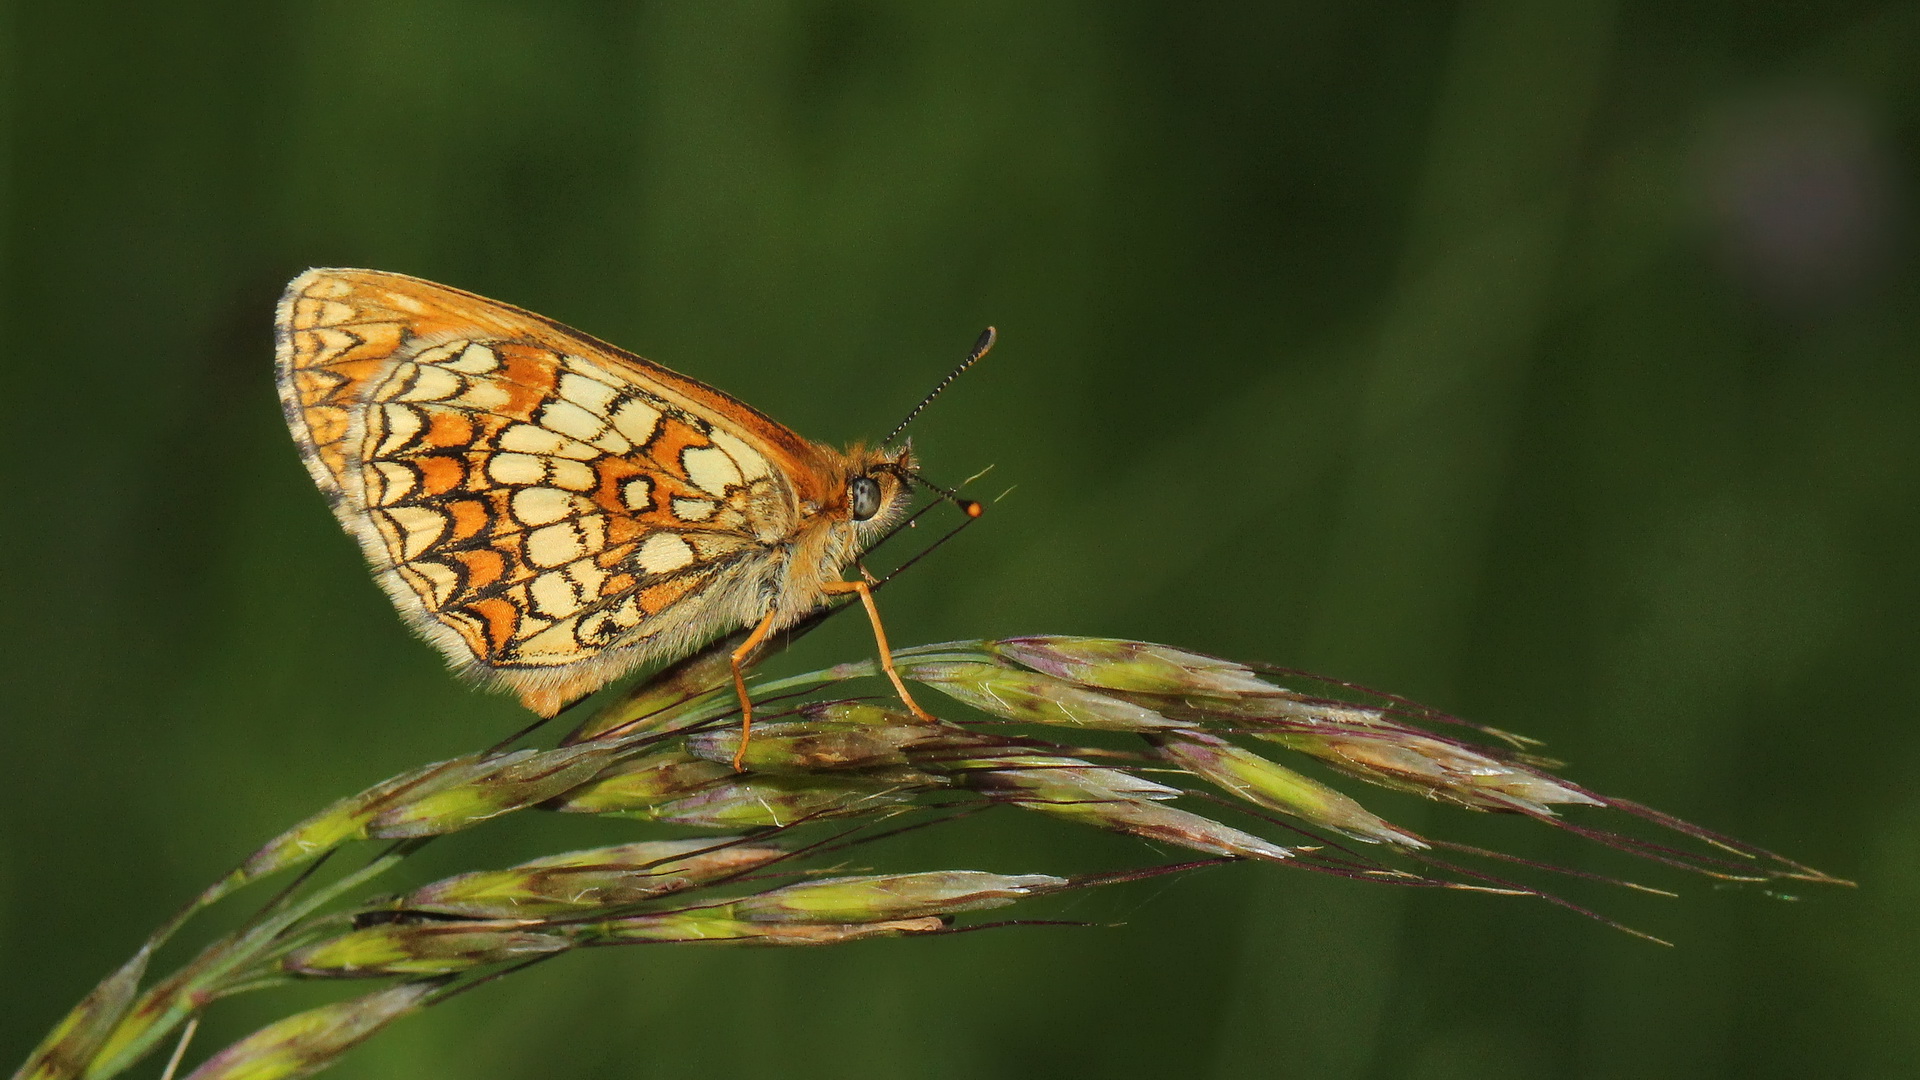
(863,497)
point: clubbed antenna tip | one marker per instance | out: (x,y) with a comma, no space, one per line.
(980,348)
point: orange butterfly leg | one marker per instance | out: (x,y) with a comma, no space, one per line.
(880,637)
(739,657)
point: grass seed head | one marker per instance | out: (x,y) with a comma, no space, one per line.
(716,926)
(640,784)
(67,1049)
(1107,799)
(422,948)
(348,819)
(752,800)
(1159,823)
(307,1042)
(1439,769)
(1032,698)
(1132,666)
(1276,787)
(880,897)
(488,787)
(664,751)
(811,745)
(579,882)
(1050,778)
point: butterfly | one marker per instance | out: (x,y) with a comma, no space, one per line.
(552,512)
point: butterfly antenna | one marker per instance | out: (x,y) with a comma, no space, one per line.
(980,347)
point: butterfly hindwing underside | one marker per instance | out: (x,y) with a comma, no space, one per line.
(546,509)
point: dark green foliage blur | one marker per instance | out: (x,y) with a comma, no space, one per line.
(1557,364)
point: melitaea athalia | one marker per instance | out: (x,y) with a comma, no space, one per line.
(550,511)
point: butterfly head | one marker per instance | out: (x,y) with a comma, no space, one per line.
(880,487)
(878,492)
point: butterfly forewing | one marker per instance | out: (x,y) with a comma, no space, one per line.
(534,499)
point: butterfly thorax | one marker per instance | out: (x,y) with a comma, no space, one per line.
(831,535)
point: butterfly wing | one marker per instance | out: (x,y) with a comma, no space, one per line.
(546,509)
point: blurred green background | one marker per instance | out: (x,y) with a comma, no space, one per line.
(1553,363)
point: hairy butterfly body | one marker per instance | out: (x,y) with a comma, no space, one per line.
(550,511)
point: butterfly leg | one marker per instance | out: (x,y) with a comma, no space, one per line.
(739,657)
(880,637)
